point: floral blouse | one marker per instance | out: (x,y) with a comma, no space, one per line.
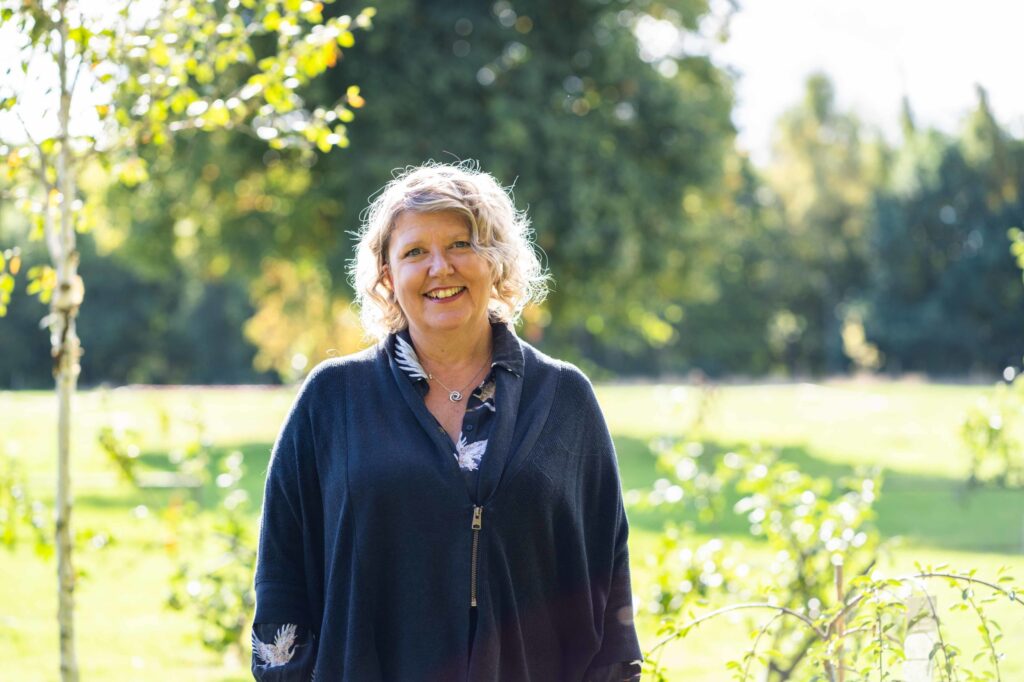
(285,652)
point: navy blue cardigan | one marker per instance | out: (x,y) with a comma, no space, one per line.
(366,536)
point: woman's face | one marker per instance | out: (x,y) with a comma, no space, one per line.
(440,282)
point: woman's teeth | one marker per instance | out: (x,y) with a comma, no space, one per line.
(444,293)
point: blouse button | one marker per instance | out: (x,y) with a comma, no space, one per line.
(467,427)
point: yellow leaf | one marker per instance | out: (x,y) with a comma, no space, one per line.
(217,115)
(14,265)
(158,54)
(323,141)
(346,39)
(272,21)
(204,73)
(352,95)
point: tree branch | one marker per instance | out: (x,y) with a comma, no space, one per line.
(782,610)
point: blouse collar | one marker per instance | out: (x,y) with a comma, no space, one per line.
(507,352)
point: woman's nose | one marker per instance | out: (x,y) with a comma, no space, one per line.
(439,264)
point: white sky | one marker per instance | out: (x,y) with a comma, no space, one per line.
(875,51)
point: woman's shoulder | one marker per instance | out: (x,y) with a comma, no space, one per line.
(571,379)
(331,373)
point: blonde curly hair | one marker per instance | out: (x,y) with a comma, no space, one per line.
(499,233)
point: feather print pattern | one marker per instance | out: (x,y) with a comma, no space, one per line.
(469,454)
(281,651)
(408,360)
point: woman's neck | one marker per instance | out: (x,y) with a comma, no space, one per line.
(450,352)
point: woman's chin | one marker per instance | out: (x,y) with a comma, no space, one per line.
(451,323)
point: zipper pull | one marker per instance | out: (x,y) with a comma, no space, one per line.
(478,513)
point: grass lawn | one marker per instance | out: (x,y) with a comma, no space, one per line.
(125,632)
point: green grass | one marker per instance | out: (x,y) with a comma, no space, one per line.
(125,632)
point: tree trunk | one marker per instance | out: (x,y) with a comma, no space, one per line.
(66,380)
(65,347)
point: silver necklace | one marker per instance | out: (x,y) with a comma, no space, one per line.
(456,396)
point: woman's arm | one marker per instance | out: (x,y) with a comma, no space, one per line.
(284,643)
(604,508)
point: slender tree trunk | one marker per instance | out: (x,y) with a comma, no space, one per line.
(67,298)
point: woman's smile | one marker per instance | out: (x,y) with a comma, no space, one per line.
(445,295)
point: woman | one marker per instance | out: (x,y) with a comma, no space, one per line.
(445,505)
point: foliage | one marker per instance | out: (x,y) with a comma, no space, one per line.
(942,285)
(298,320)
(824,172)
(147,75)
(214,581)
(18,511)
(494,83)
(991,434)
(809,565)
(866,635)
(812,529)
(991,431)
(670,250)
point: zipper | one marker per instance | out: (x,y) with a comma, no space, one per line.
(478,513)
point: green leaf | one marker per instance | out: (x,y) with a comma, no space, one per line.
(81,35)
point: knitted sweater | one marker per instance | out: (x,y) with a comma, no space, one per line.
(371,540)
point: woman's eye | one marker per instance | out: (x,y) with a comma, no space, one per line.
(462,245)
(413,252)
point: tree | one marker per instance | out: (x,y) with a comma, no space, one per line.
(824,171)
(943,289)
(114,81)
(554,98)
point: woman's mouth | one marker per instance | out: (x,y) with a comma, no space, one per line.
(444,294)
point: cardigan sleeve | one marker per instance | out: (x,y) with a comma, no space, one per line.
(619,643)
(284,642)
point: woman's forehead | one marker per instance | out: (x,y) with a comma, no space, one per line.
(412,225)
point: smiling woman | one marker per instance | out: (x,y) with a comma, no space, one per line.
(445,505)
(496,231)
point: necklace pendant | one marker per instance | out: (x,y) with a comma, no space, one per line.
(455,396)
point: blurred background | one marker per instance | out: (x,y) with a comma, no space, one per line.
(771,189)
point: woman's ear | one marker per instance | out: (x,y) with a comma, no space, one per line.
(385,278)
